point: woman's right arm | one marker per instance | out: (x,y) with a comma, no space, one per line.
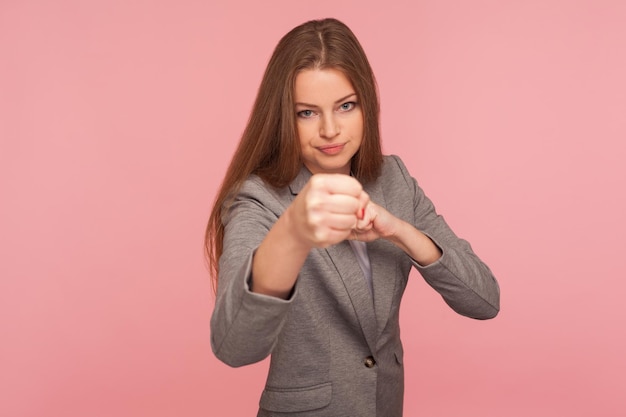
(324,213)
(263,256)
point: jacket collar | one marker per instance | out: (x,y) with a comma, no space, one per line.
(300,181)
(382,261)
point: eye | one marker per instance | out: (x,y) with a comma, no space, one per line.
(347,106)
(305,114)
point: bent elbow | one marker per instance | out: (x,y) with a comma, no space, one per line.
(488,313)
(238,356)
(231,360)
(480,311)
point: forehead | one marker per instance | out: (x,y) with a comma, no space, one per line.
(320,86)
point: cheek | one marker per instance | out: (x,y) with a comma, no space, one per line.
(357,127)
(304,132)
(301,137)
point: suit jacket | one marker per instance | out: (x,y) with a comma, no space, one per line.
(335,347)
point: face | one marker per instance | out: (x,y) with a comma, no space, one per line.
(329,120)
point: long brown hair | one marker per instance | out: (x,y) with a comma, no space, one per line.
(269,147)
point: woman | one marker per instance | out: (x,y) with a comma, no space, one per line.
(313,235)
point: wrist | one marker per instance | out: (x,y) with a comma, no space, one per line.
(415,244)
(396,230)
(292,232)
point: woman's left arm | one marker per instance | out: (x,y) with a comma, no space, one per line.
(447,262)
(378,223)
(452,268)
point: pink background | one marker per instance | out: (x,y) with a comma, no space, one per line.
(117,119)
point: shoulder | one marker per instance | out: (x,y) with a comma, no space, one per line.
(255,197)
(254,185)
(394,172)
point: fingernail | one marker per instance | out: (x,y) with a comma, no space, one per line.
(362,214)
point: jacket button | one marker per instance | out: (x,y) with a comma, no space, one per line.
(369,362)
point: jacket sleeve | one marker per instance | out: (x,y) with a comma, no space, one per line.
(466,283)
(245,325)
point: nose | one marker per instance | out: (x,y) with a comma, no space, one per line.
(329,128)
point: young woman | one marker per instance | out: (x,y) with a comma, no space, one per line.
(313,235)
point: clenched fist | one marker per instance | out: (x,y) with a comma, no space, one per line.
(327,209)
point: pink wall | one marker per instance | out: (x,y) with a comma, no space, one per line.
(117,119)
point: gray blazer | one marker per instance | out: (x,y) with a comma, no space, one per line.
(335,349)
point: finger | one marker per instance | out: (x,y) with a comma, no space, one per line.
(367,222)
(341,203)
(339,222)
(337,184)
(325,236)
(362,226)
(364,200)
(332,203)
(363,236)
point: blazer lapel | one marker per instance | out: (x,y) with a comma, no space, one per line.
(381,253)
(382,263)
(351,274)
(300,181)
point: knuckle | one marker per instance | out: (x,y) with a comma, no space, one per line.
(320,235)
(317,181)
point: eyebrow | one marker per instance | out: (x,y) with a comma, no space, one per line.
(336,102)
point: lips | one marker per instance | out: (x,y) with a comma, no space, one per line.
(331,149)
